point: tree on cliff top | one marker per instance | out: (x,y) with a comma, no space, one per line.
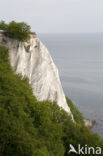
(19,31)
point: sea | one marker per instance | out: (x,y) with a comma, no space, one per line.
(79,58)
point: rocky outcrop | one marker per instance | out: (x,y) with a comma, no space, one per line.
(33,60)
(90,123)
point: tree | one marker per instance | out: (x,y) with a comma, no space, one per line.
(19,31)
(3,26)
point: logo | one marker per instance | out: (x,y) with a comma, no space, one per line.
(85,150)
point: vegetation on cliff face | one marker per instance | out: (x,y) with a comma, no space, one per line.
(19,31)
(76,114)
(32,128)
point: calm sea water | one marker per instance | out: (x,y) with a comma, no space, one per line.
(79,58)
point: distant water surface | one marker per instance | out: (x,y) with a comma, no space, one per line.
(79,58)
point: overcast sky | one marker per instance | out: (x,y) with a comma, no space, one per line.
(55,16)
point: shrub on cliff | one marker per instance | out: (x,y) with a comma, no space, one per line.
(19,31)
(76,114)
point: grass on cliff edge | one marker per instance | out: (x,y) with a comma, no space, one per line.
(32,128)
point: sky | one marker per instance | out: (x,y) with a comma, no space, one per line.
(55,16)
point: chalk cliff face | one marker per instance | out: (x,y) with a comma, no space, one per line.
(33,60)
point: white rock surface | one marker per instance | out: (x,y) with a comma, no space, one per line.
(38,66)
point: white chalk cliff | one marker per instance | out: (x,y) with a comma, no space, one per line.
(33,60)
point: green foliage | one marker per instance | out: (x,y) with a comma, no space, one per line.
(77,115)
(18,31)
(27,48)
(32,128)
(3,26)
